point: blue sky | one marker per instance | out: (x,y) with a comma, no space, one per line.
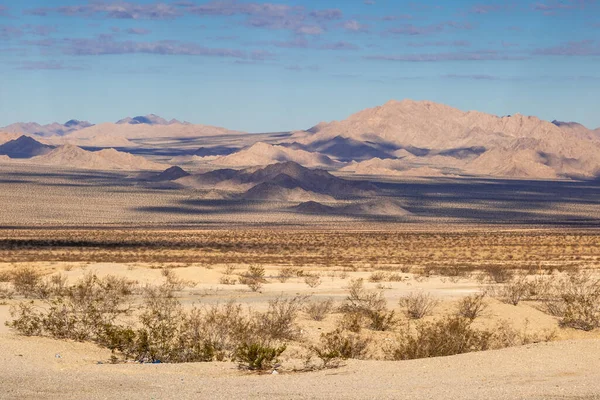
(287,65)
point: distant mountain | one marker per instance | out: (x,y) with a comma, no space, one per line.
(347,149)
(171,174)
(24,147)
(280,178)
(69,156)
(264,154)
(150,119)
(464,143)
(379,207)
(54,129)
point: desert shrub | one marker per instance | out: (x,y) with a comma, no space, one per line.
(174,281)
(578,304)
(471,307)
(286,273)
(26,281)
(340,345)
(82,312)
(445,337)
(378,276)
(452,335)
(499,273)
(312,280)
(513,291)
(227,280)
(29,320)
(258,356)
(418,304)
(254,278)
(366,305)
(318,310)
(278,322)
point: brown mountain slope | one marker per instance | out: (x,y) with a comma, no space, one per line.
(109,159)
(515,146)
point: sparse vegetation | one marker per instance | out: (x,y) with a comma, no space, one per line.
(418,304)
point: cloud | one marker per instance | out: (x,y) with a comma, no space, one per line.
(490,8)
(353,25)
(455,43)
(114,9)
(551,7)
(339,46)
(106,45)
(269,15)
(47,65)
(369,2)
(138,31)
(477,77)
(299,68)
(296,43)
(483,55)
(3,11)
(580,48)
(8,32)
(414,30)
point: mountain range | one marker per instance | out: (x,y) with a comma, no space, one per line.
(398,139)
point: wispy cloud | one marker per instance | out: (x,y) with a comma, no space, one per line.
(8,32)
(115,9)
(551,7)
(339,46)
(355,26)
(3,11)
(415,30)
(48,65)
(477,77)
(300,68)
(106,45)
(269,15)
(483,55)
(454,43)
(491,8)
(578,48)
(138,31)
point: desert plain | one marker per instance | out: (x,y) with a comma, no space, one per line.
(411,251)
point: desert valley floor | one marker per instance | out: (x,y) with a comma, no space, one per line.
(411,251)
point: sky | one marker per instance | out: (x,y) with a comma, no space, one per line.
(287,65)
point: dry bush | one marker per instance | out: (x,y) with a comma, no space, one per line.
(173,281)
(318,310)
(448,336)
(499,273)
(258,356)
(278,322)
(472,307)
(366,305)
(254,278)
(576,302)
(340,345)
(312,280)
(378,277)
(455,335)
(513,291)
(418,304)
(26,281)
(227,280)
(286,273)
(81,312)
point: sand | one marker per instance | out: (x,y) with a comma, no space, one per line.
(33,368)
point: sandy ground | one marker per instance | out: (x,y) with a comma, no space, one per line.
(33,368)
